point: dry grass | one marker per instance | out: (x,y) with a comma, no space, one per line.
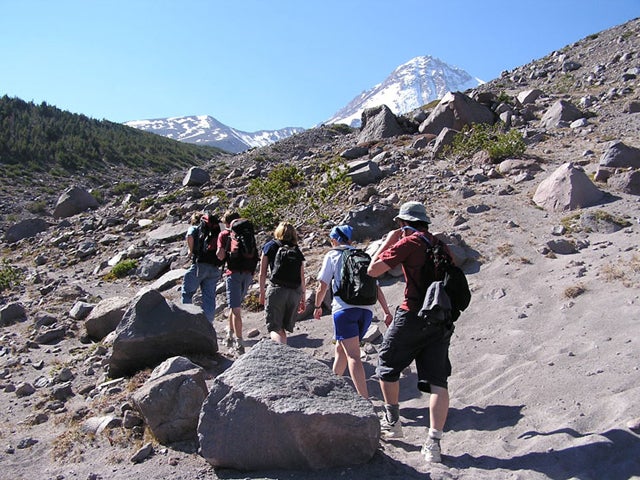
(504,250)
(575,291)
(624,271)
(71,445)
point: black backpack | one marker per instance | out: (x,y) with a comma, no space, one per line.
(242,253)
(205,240)
(440,267)
(356,286)
(286,266)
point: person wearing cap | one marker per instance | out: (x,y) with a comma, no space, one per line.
(408,338)
(350,322)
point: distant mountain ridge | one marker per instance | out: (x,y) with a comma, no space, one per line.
(206,130)
(413,84)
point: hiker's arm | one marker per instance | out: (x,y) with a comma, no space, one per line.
(303,285)
(264,263)
(220,252)
(392,237)
(385,307)
(377,268)
(190,244)
(320,293)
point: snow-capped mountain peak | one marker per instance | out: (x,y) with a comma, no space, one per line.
(206,130)
(411,85)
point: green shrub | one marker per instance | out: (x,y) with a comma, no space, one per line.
(10,276)
(342,128)
(271,195)
(98,195)
(122,188)
(37,207)
(284,195)
(490,138)
(122,269)
(504,97)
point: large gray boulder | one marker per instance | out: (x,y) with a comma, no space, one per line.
(152,265)
(627,182)
(378,123)
(560,114)
(371,221)
(105,317)
(25,229)
(168,233)
(279,408)
(12,312)
(195,177)
(444,138)
(154,329)
(619,155)
(454,111)
(170,404)
(364,172)
(568,188)
(72,201)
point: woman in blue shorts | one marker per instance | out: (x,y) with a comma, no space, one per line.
(350,322)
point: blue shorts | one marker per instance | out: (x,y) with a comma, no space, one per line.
(409,338)
(237,284)
(352,322)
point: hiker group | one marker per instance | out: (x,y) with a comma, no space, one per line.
(420,330)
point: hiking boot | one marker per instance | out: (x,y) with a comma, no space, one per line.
(390,430)
(431,450)
(238,346)
(228,340)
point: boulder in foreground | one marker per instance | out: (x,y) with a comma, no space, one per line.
(279,408)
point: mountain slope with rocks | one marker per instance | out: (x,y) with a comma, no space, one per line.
(545,359)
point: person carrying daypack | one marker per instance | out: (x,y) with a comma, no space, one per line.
(411,337)
(204,272)
(237,247)
(350,320)
(448,293)
(283,296)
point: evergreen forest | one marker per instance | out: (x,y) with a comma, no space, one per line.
(42,140)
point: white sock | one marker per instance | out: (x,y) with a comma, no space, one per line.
(437,434)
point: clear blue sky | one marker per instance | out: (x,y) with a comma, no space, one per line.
(265,64)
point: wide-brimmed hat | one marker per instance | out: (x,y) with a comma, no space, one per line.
(413,212)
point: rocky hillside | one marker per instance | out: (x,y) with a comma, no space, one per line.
(545,359)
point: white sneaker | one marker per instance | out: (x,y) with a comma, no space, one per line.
(228,340)
(239,346)
(431,450)
(390,430)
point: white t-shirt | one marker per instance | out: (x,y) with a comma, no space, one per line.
(331,266)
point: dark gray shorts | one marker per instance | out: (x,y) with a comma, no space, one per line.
(409,338)
(281,307)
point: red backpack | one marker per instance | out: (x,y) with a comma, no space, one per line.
(242,253)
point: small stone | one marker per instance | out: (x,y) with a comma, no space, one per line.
(634,425)
(143,453)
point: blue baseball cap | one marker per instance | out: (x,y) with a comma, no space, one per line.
(341,233)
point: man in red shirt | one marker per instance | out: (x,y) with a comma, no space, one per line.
(409,338)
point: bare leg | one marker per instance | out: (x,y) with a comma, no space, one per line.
(339,360)
(390,392)
(351,347)
(438,407)
(235,321)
